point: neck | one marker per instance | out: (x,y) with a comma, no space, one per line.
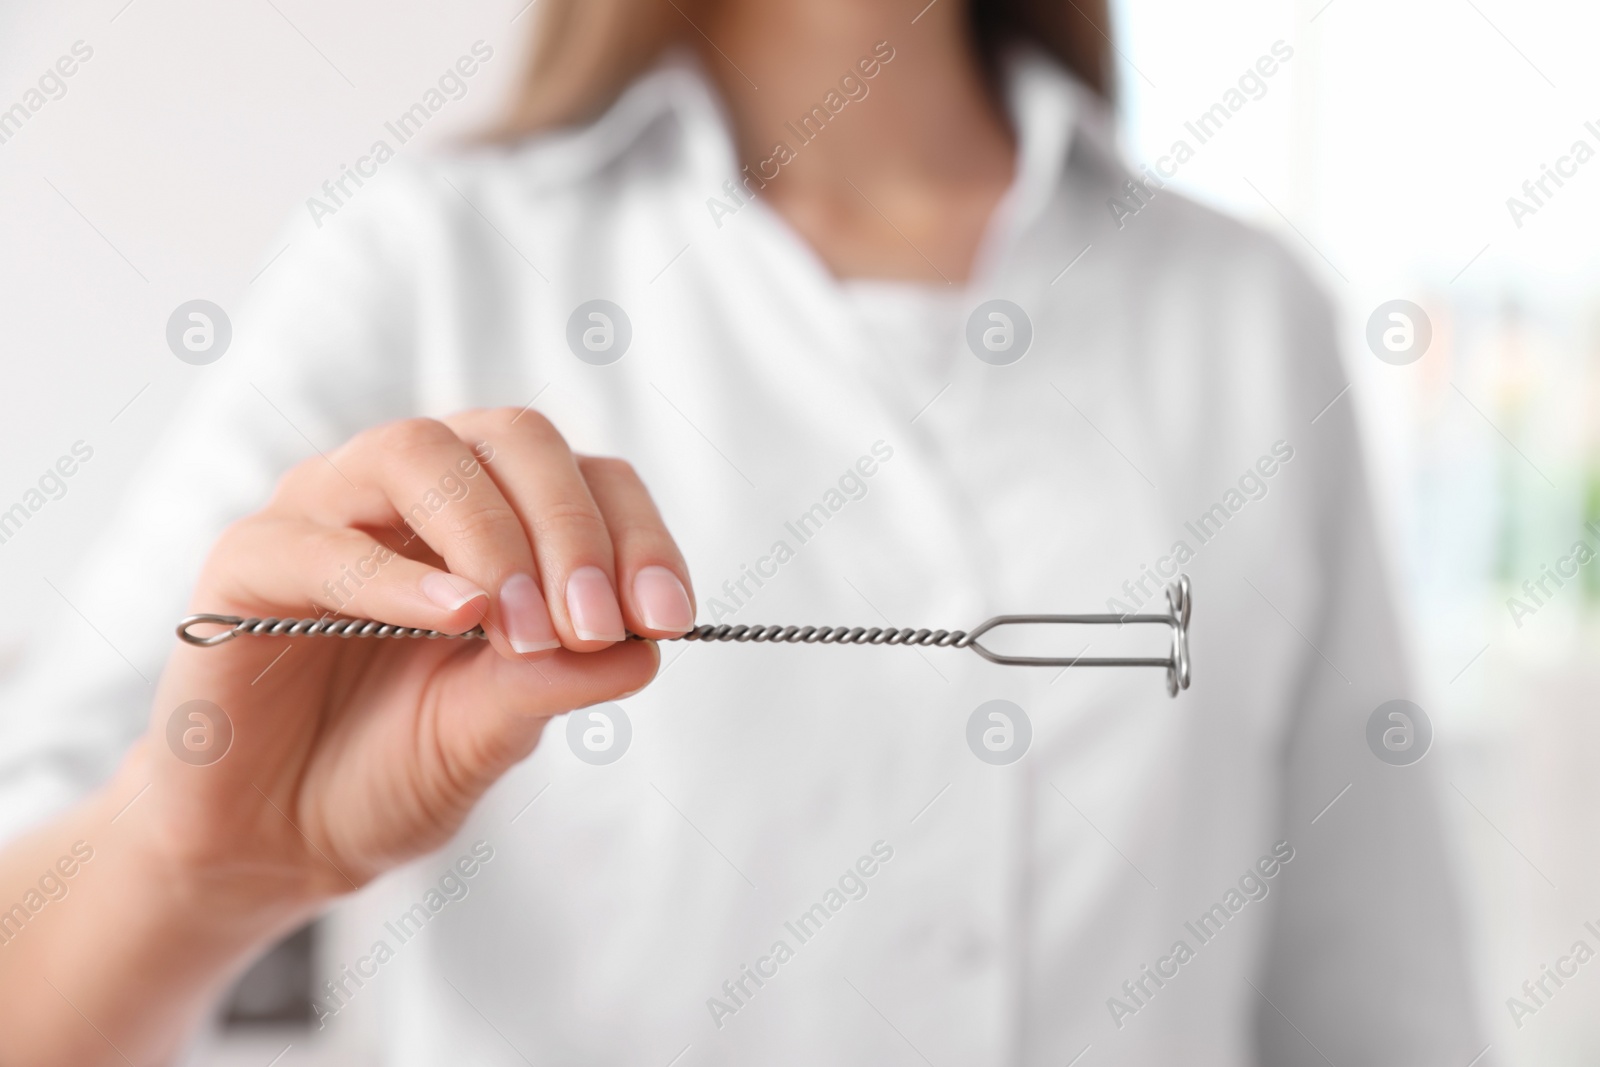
(879,140)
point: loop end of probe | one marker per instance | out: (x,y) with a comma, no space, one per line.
(209,640)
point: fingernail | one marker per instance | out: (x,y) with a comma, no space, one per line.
(448,591)
(663,601)
(593,606)
(524,615)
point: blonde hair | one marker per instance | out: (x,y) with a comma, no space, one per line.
(586,52)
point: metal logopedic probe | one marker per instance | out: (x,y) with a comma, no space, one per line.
(1176,662)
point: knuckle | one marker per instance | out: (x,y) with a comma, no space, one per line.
(408,437)
(509,417)
(569,518)
(489,522)
(478,420)
(534,428)
(611,467)
(506,418)
(297,482)
(344,545)
(472,764)
(233,541)
(515,428)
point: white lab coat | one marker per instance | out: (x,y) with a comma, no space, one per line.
(620,909)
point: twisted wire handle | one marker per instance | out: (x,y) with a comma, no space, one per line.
(343,627)
(329,627)
(828,635)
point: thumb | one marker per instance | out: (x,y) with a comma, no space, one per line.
(493,709)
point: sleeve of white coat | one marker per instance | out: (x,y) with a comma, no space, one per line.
(1366,964)
(321,349)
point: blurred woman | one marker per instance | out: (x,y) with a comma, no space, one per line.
(867,299)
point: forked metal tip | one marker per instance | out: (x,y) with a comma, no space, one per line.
(1180,603)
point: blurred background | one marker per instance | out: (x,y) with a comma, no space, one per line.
(1383,152)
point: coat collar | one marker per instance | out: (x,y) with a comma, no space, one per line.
(1048,108)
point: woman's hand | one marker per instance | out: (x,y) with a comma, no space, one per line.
(351,756)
